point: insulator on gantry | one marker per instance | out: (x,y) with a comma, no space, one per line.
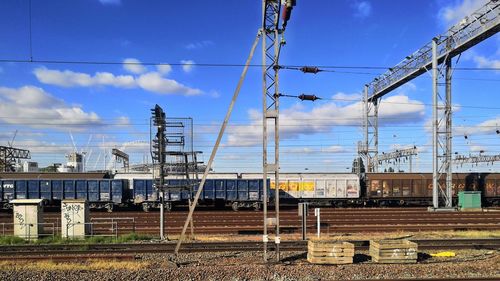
(304,97)
(310,69)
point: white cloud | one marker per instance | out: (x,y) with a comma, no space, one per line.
(187,65)
(362,9)
(33,107)
(154,82)
(346,97)
(214,94)
(134,66)
(296,121)
(68,78)
(199,45)
(110,2)
(44,147)
(164,69)
(452,14)
(487,127)
(309,150)
(484,62)
(150,81)
(477,148)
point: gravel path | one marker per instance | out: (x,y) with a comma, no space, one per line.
(249,266)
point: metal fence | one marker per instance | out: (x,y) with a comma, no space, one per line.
(122,221)
(44,230)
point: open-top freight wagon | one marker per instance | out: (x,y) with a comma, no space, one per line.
(100,193)
(246,190)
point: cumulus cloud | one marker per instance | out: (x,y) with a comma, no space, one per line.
(362,9)
(296,121)
(164,69)
(199,45)
(68,78)
(149,81)
(110,2)
(43,147)
(454,13)
(482,61)
(154,82)
(187,65)
(487,127)
(134,66)
(477,148)
(309,150)
(346,97)
(32,106)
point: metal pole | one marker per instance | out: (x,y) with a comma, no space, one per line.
(448,133)
(276,146)
(367,141)
(435,121)
(265,237)
(375,133)
(162,215)
(318,221)
(217,143)
(411,166)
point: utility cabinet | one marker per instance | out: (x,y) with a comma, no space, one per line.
(28,218)
(469,200)
(75,219)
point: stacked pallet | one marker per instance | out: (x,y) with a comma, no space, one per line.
(393,251)
(329,252)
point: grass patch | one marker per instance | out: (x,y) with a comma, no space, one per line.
(74,266)
(126,238)
(11,240)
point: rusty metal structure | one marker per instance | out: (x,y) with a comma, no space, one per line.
(10,155)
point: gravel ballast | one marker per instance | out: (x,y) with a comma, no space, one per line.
(293,266)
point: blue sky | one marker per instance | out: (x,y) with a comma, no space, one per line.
(109,102)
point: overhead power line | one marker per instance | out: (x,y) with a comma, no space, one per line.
(321,68)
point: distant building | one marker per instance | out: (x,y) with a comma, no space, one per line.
(74,164)
(29,166)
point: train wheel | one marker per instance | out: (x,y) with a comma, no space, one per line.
(145,207)
(235,206)
(109,208)
(256,206)
(168,206)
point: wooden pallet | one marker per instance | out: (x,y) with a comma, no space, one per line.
(329,252)
(393,251)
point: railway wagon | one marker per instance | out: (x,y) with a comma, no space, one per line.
(491,189)
(236,193)
(340,189)
(100,193)
(416,188)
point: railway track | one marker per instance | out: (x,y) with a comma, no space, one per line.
(49,250)
(250,222)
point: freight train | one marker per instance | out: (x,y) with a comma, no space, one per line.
(244,190)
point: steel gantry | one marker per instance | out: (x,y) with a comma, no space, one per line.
(9,156)
(473,29)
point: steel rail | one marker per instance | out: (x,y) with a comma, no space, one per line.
(423,244)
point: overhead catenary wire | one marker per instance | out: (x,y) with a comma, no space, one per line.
(323,68)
